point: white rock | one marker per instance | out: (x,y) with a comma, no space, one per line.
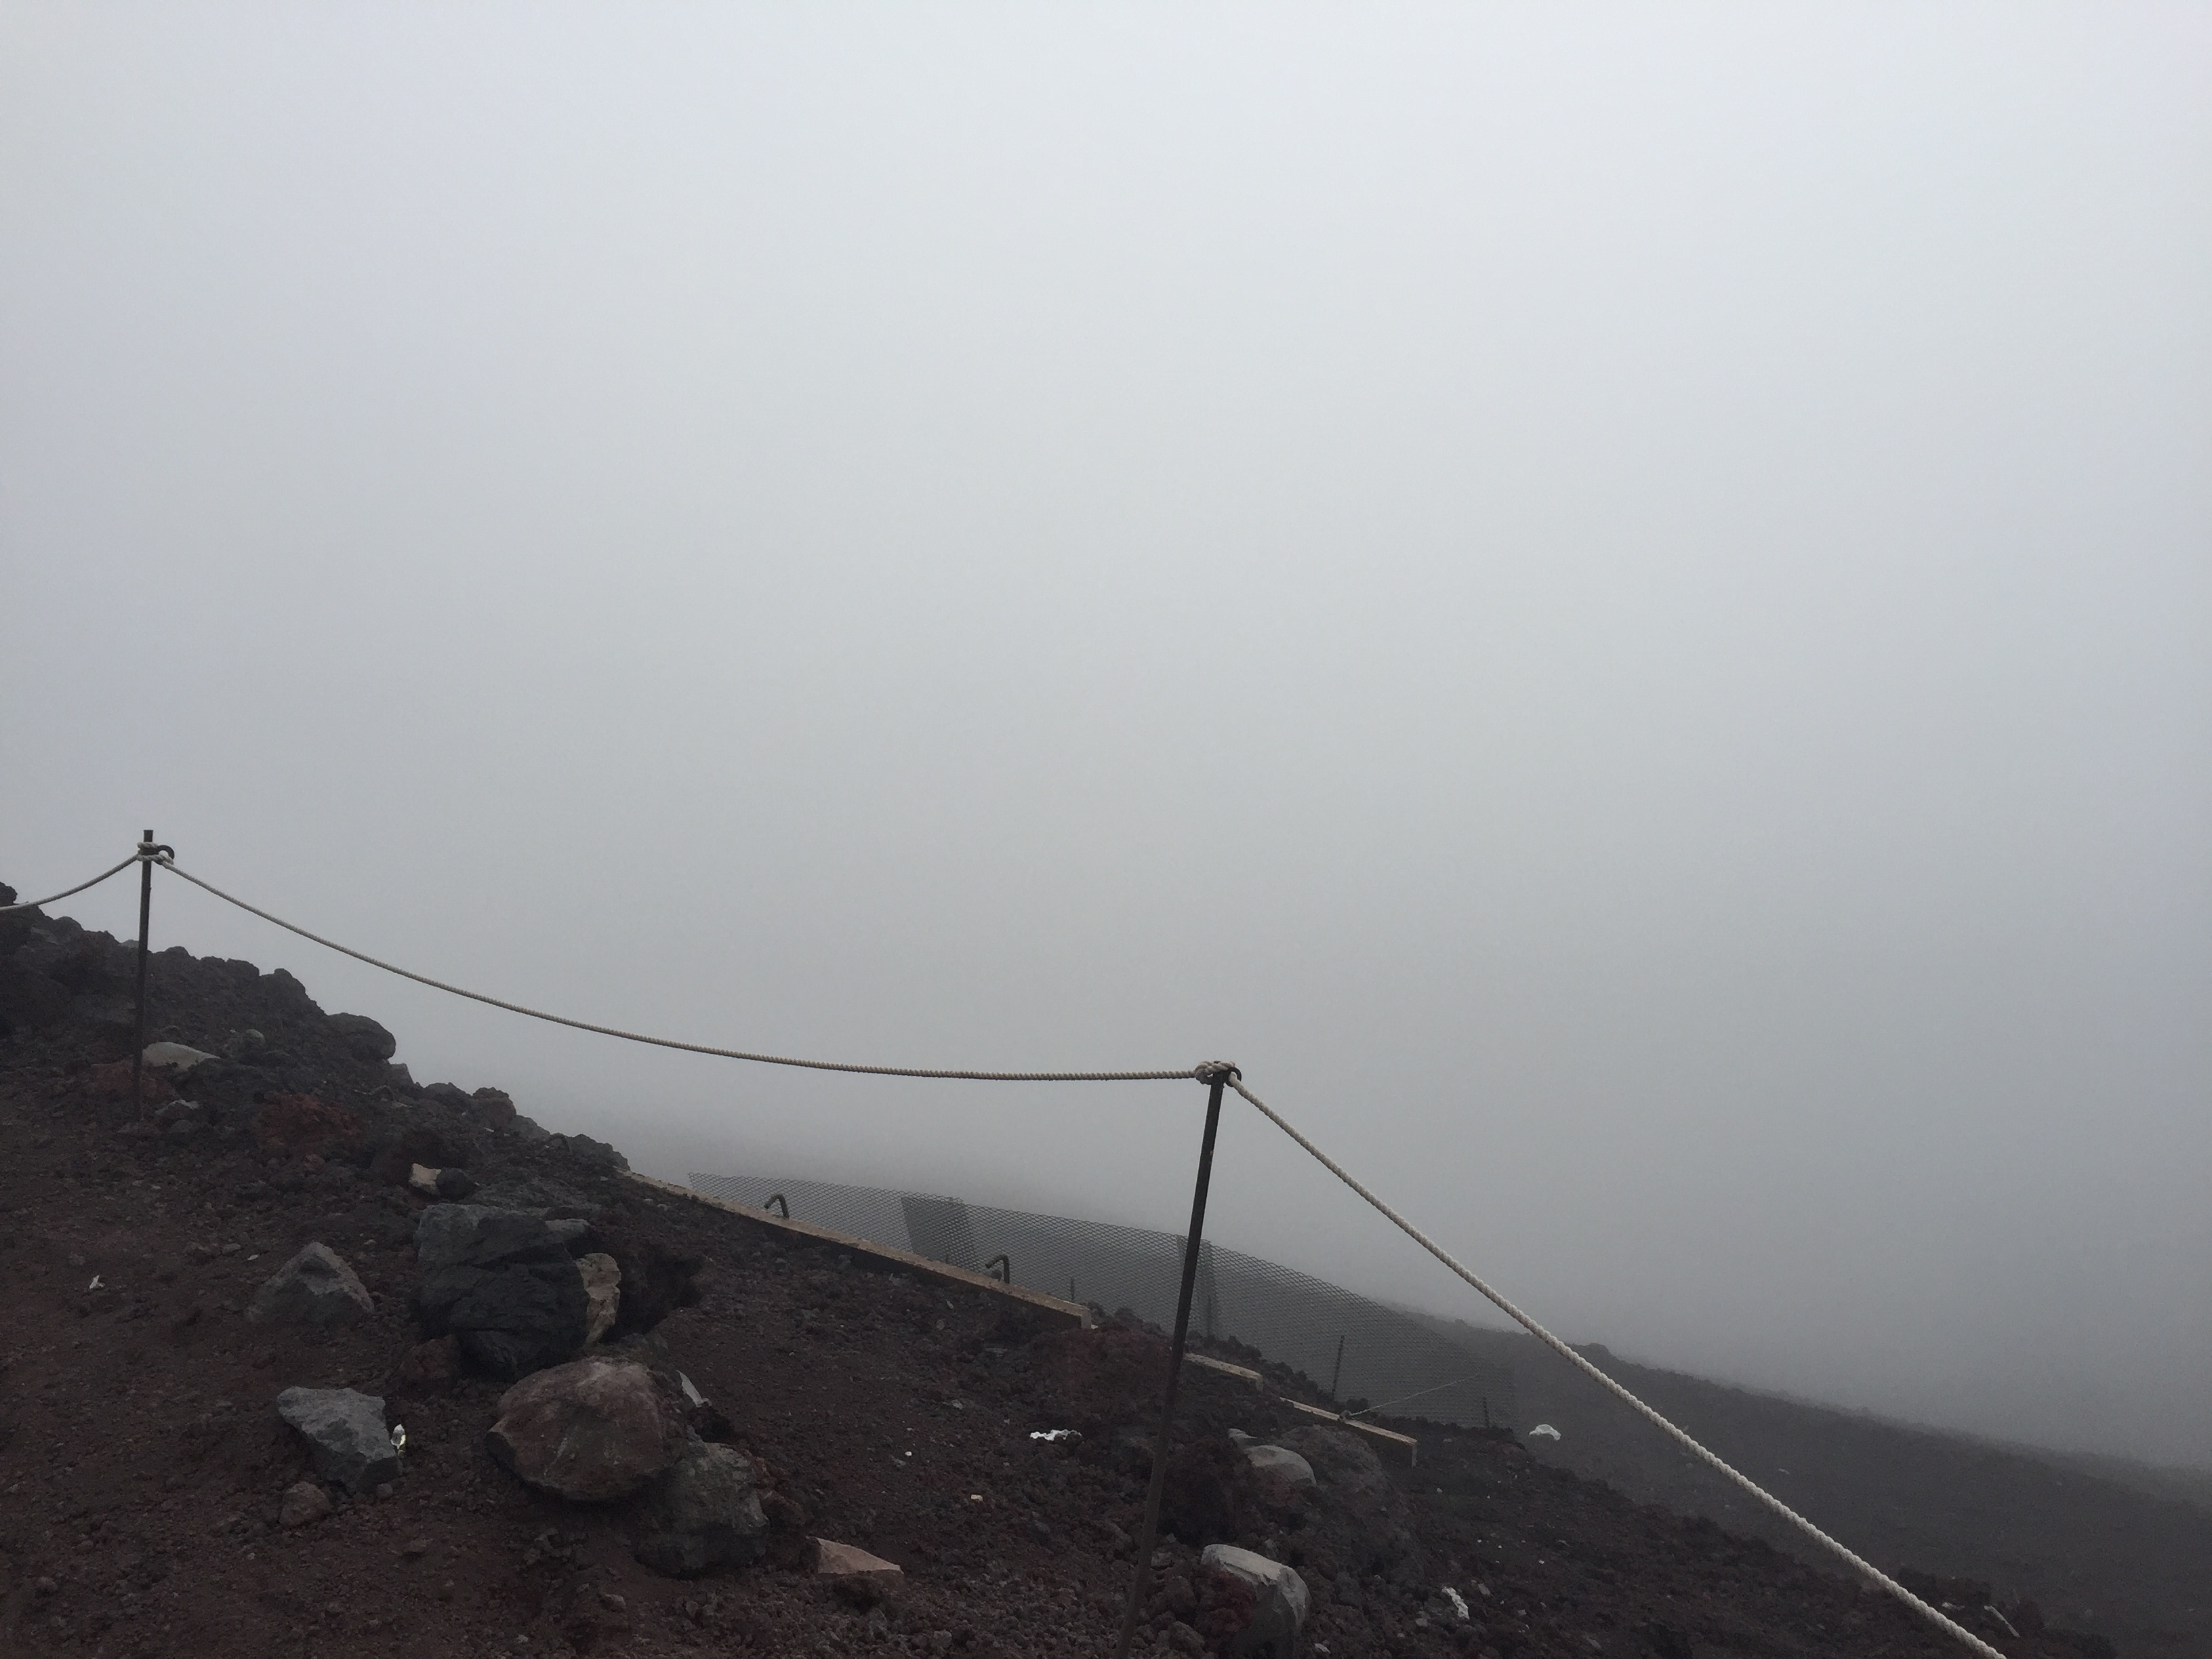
(1281,1460)
(1546,1430)
(175,1056)
(423,1180)
(1281,1599)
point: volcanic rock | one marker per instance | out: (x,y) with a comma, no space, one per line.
(590,1431)
(345,1433)
(365,1040)
(480,1236)
(315,1287)
(1281,1601)
(175,1057)
(704,1513)
(602,1294)
(1280,1461)
(305,1502)
(512,1319)
(869,1575)
(1366,1514)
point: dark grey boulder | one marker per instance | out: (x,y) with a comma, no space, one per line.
(514,1318)
(481,1235)
(455,1184)
(365,1040)
(703,1514)
(315,1287)
(503,1281)
(346,1435)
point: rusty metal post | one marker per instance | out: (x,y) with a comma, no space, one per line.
(145,915)
(1216,1078)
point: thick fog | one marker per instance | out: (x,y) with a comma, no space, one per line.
(1615,602)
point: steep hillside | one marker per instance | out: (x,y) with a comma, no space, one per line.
(166,1305)
(2123,1559)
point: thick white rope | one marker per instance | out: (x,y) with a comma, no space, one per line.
(1935,1616)
(1184,1075)
(134,858)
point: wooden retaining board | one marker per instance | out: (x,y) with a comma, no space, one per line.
(1073,1312)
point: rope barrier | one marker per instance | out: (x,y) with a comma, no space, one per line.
(135,858)
(1185,1075)
(1935,1616)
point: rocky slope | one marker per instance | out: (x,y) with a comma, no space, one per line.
(155,1499)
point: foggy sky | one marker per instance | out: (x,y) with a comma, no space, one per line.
(1612,601)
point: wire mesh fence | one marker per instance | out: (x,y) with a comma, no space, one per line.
(1355,1350)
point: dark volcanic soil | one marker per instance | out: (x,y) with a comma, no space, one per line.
(142,1460)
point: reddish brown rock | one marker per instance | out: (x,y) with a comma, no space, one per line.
(591,1431)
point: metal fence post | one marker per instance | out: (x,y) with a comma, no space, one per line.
(145,915)
(1216,1076)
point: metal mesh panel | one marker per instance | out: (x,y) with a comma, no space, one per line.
(1363,1351)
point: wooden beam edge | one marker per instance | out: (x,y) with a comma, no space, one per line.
(1074,1312)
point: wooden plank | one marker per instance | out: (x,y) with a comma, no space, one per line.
(1073,1312)
(1413,1446)
(1223,1366)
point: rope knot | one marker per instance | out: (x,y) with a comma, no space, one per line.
(1215,1070)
